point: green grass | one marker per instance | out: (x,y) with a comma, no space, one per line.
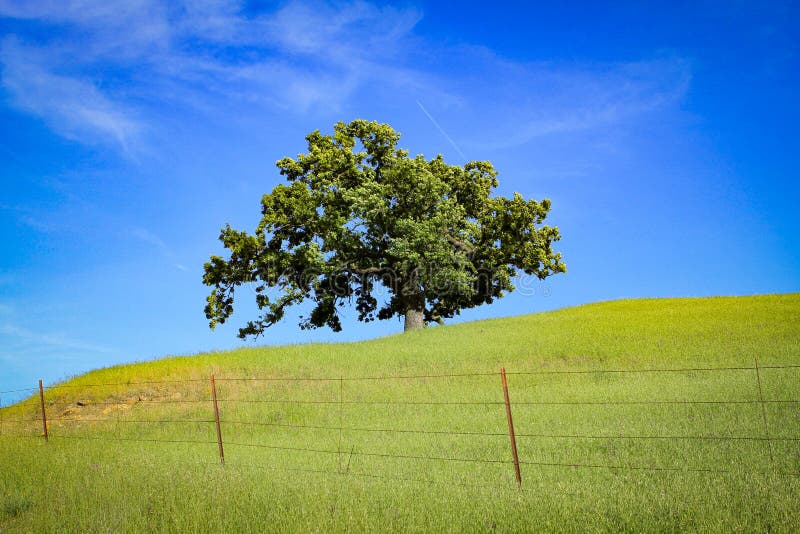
(106,483)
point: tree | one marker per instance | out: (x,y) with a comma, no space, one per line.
(361,221)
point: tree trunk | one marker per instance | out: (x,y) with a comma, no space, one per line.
(414,302)
(414,319)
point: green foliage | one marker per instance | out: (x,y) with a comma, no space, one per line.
(359,213)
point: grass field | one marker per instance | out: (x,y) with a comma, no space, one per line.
(625,451)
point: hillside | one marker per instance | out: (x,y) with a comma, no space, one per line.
(410,431)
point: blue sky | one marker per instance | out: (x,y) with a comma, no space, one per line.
(131,132)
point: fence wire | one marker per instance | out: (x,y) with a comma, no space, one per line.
(341,402)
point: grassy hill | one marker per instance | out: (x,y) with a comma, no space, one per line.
(605,441)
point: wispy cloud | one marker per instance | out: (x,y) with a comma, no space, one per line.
(300,56)
(124,30)
(214,55)
(49,339)
(528,101)
(74,108)
(153,240)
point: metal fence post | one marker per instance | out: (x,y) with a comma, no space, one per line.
(216,419)
(511,427)
(44,415)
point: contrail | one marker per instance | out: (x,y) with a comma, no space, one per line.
(425,111)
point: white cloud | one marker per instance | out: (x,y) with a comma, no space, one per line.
(349,32)
(300,56)
(124,29)
(56,340)
(213,55)
(536,100)
(73,107)
(308,53)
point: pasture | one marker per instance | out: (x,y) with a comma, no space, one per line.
(634,415)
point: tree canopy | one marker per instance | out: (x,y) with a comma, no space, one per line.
(360,222)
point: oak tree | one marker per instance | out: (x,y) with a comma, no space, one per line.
(361,222)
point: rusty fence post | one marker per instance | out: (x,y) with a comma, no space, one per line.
(216,419)
(511,427)
(44,415)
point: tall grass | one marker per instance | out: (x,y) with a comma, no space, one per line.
(579,473)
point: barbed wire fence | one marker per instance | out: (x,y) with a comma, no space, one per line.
(515,463)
